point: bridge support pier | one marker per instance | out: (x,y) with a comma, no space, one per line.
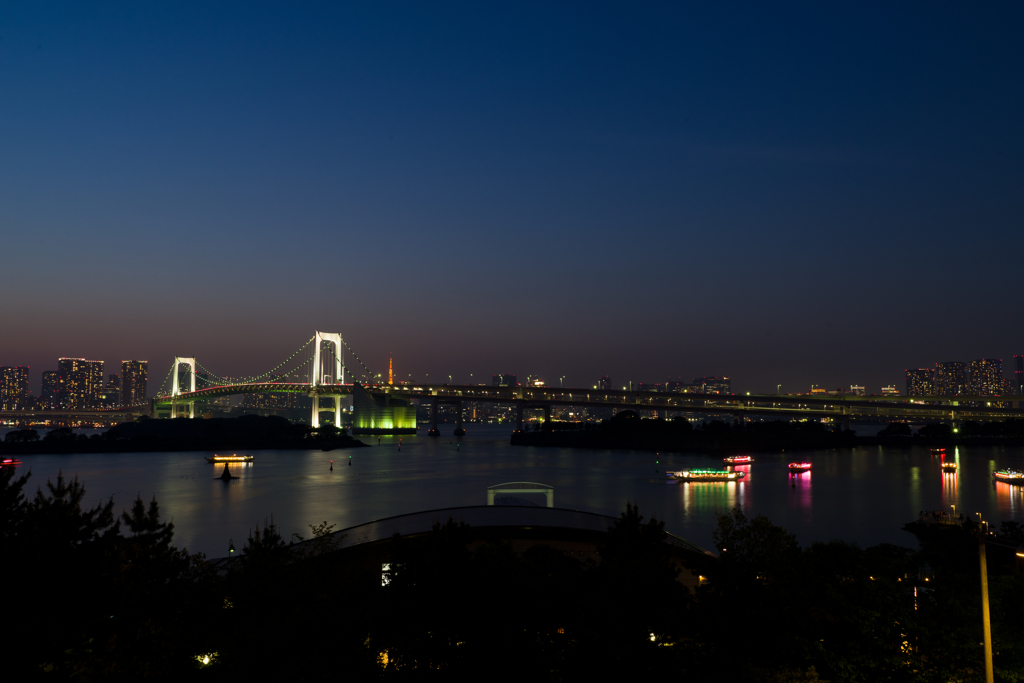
(459,431)
(433,431)
(547,418)
(314,421)
(337,411)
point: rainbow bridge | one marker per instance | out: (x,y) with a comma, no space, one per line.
(327,381)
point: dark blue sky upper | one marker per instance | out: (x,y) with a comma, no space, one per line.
(800,194)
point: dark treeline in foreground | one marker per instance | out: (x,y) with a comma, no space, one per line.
(102,597)
(628,431)
(248,432)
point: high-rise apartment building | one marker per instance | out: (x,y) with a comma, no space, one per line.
(1018,375)
(986,377)
(950,378)
(81,382)
(920,382)
(605,383)
(49,396)
(134,378)
(14,388)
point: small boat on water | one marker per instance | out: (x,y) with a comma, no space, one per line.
(230,458)
(936,451)
(799,466)
(738,459)
(1009,476)
(706,475)
(949,467)
(9,462)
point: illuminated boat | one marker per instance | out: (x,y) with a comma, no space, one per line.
(230,458)
(9,462)
(738,459)
(799,466)
(706,475)
(949,467)
(1009,476)
(938,450)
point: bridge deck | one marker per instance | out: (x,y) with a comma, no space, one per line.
(927,407)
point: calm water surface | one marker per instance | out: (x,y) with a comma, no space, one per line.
(864,495)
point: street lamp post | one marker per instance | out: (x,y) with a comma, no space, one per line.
(986,622)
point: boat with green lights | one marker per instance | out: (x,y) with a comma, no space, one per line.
(706,475)
(1009,476)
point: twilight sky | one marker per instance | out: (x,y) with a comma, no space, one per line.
(808,193)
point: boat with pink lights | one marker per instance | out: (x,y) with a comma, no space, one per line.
(738,459)
(799,466)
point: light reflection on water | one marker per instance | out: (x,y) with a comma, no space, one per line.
(800,490)
(865,495)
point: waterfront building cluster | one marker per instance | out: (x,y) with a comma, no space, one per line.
(76,384)
(980,377)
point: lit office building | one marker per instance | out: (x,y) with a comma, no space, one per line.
(920,382)
(890,391)
(950,378)
(134,377)
(856,390)
(605,383)
(14,388)
(81,382)
(1018,375)
(714,385)
(504,380)
(986,377)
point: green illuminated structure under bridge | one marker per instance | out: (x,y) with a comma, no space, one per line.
(381,413)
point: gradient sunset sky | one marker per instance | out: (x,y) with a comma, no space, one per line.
(785,193)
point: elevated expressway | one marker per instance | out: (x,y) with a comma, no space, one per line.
(840,408)
(75,415)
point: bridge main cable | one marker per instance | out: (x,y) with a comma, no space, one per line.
(255,378)
(369,374)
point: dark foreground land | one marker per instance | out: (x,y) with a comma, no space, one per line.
(107,597)
(246,433)
(627,431)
